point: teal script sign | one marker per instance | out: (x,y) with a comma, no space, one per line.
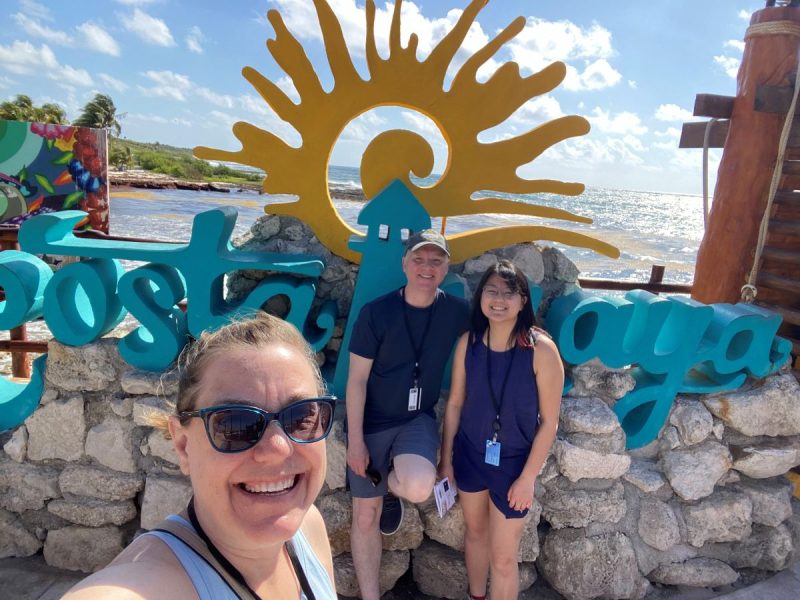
(673,345)
(86,300)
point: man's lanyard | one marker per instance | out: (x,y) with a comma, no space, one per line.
(234,572)
(498,405)
(417,348)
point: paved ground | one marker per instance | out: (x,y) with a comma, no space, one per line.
(32,579)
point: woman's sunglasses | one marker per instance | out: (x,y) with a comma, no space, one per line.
(238,427)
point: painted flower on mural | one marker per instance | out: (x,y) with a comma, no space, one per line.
(466,109)
(52,131)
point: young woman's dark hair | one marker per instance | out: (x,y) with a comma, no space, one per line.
(516,282)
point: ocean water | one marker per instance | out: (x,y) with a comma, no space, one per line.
(648,227)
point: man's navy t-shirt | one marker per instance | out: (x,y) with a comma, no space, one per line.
(380,333)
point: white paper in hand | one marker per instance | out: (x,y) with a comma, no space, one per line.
(445,495)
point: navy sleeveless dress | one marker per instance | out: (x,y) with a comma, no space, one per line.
(519,418)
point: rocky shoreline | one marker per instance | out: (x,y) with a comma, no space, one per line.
(138,178)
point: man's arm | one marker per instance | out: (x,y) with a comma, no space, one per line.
(356,398)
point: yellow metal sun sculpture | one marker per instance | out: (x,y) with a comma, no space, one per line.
(461,113)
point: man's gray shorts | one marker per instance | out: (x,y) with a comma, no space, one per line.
(418,436)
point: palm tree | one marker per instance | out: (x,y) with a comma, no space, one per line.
(22,108)
(101,113)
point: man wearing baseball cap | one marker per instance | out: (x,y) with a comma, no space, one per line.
(398,351)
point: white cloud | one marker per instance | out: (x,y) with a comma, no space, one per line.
(254,104)
(222,100)
(113,83)
(620,124)
(98,39)
(168,85)
(735,44)
(669,132)
(632,84)
(729,64)
(744,14)
(136,2)
(149,29)
(35,10)
(539,109)
(672,112)
(6,82)
(596,76)
(287,86)
(23,58)
(157,119)
(32,28)
(195,39)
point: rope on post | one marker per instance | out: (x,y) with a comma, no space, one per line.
(749,290)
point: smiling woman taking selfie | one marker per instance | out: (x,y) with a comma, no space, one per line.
(499,424)
(248,430)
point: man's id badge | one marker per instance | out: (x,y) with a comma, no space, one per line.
(414,397)
(492,453)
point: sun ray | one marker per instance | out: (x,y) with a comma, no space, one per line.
(461,113)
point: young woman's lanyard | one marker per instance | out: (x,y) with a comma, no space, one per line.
(233,572)
(498,404)
(415,393)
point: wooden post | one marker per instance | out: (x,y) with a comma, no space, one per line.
(20,361)
(726,253)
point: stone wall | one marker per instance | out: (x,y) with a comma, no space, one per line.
(703,502)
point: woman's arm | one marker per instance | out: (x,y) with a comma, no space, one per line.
(550,382)
(452,413)
(317,535)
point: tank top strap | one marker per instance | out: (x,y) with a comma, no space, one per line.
(315,571)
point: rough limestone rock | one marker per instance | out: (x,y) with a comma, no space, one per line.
(692,472)
(767,459)
(147,383)
(693,422)
(84,549)
(670,440)
(658,525)
(161,447)
(15,539)
(122,407)
(529,543)
(57,430)
(93,367)
(772,409)
(612,443)
(594,379)
(577,505)
(767,548)
(92,512)
(337,457)
(449,530)
(771,498)
(163,496)
(695,572)
(99,483)
(723,517)
(393,566)
(558,266)
(148,409)
(581,567)
(528,257)
(337,512)
(479,264)
(17,447)
(645,476)
(578,463)
(110,443)
(587,415)
(26,487)
(439,571)
(410,533)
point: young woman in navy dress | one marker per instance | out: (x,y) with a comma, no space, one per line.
(499,425)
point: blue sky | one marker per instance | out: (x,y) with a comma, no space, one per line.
(173,67)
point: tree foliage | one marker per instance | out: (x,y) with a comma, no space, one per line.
(101,113)
(22,108)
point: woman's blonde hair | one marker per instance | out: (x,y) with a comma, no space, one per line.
(255,332)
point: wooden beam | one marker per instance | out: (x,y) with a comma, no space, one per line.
(692,134)
(37,346)
(713,106)
(656,288)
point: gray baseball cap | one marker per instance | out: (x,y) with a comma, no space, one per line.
(426,237)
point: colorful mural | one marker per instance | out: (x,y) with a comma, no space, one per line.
(47,168)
